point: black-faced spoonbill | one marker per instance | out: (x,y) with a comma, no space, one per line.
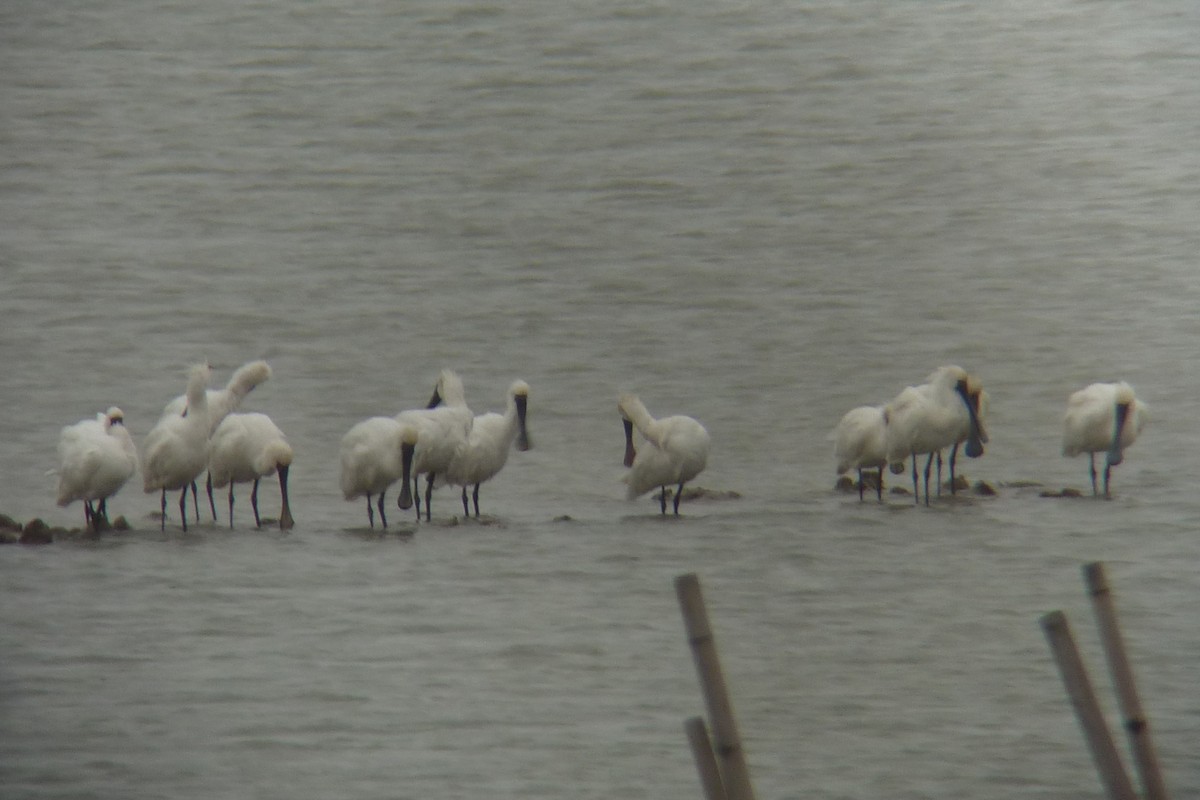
(175,450)
(927,418)
(221,403)
(860,442)
(492,436)
(675,450)
(1103,417)
(96,458)
(443,428)
(248,447)
(376,453)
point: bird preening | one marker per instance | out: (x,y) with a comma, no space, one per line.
(674,451)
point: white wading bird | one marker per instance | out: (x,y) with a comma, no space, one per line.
(96,458)
(248,447)
(492,436)
(1103,417)
(443,428)
(860,442)
(927,418)
(675,450)
(175,450)
(221,403)
(376,453)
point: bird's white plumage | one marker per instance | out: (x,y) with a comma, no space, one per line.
(372,459)
(489,442)
(222,402)
(245,448)
(175,451)
(96,458)
(675,451)
(1089,424)
(860,439)
(442,429)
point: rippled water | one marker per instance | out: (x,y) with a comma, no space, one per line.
(758,214)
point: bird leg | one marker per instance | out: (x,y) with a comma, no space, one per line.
(253,503)
(195,499)
(88,516)
(953,458)
(429,496)
(475,498)
(211,505)
(183,505)
(662,499)
(939,473)
(370,511)
(678,497)
(163,517)
(466,507)
(382,516)
(916,482)
(231,505)
(928,466)
(860,485)
(1107,470)
(101,511)
(879,488)
(1092,470)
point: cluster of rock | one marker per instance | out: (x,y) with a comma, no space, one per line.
(36,531)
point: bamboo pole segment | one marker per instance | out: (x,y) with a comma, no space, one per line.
(728,745)
(706,762)
(1087,709)
(1137,727)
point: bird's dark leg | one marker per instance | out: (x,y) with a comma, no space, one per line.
(466,505)
(429,497)
(475,498)
(89,516)
(928,467)
(382,516)
(212,506)
(102,511)
(662,499)
(939,473)
(370,511)
(231,505)
(416,492)
(860,485)
(1092,469)
(163,518)
(678,497)
(183,505)
(953,458)
(1107,470)
(916,482)
(253,502)
(195,499)
(879,488)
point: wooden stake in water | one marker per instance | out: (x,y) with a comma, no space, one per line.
(728,745)
(1137,728)
(706,762)
(1087,709)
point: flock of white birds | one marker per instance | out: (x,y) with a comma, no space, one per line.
(450,445)
(445,441)
(948,411)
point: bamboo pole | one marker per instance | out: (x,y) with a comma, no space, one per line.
(1137,727)
(728,746)
(706,762)
(1087,709)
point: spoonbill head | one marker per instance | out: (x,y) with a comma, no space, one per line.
(1103,417)
(675,451)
